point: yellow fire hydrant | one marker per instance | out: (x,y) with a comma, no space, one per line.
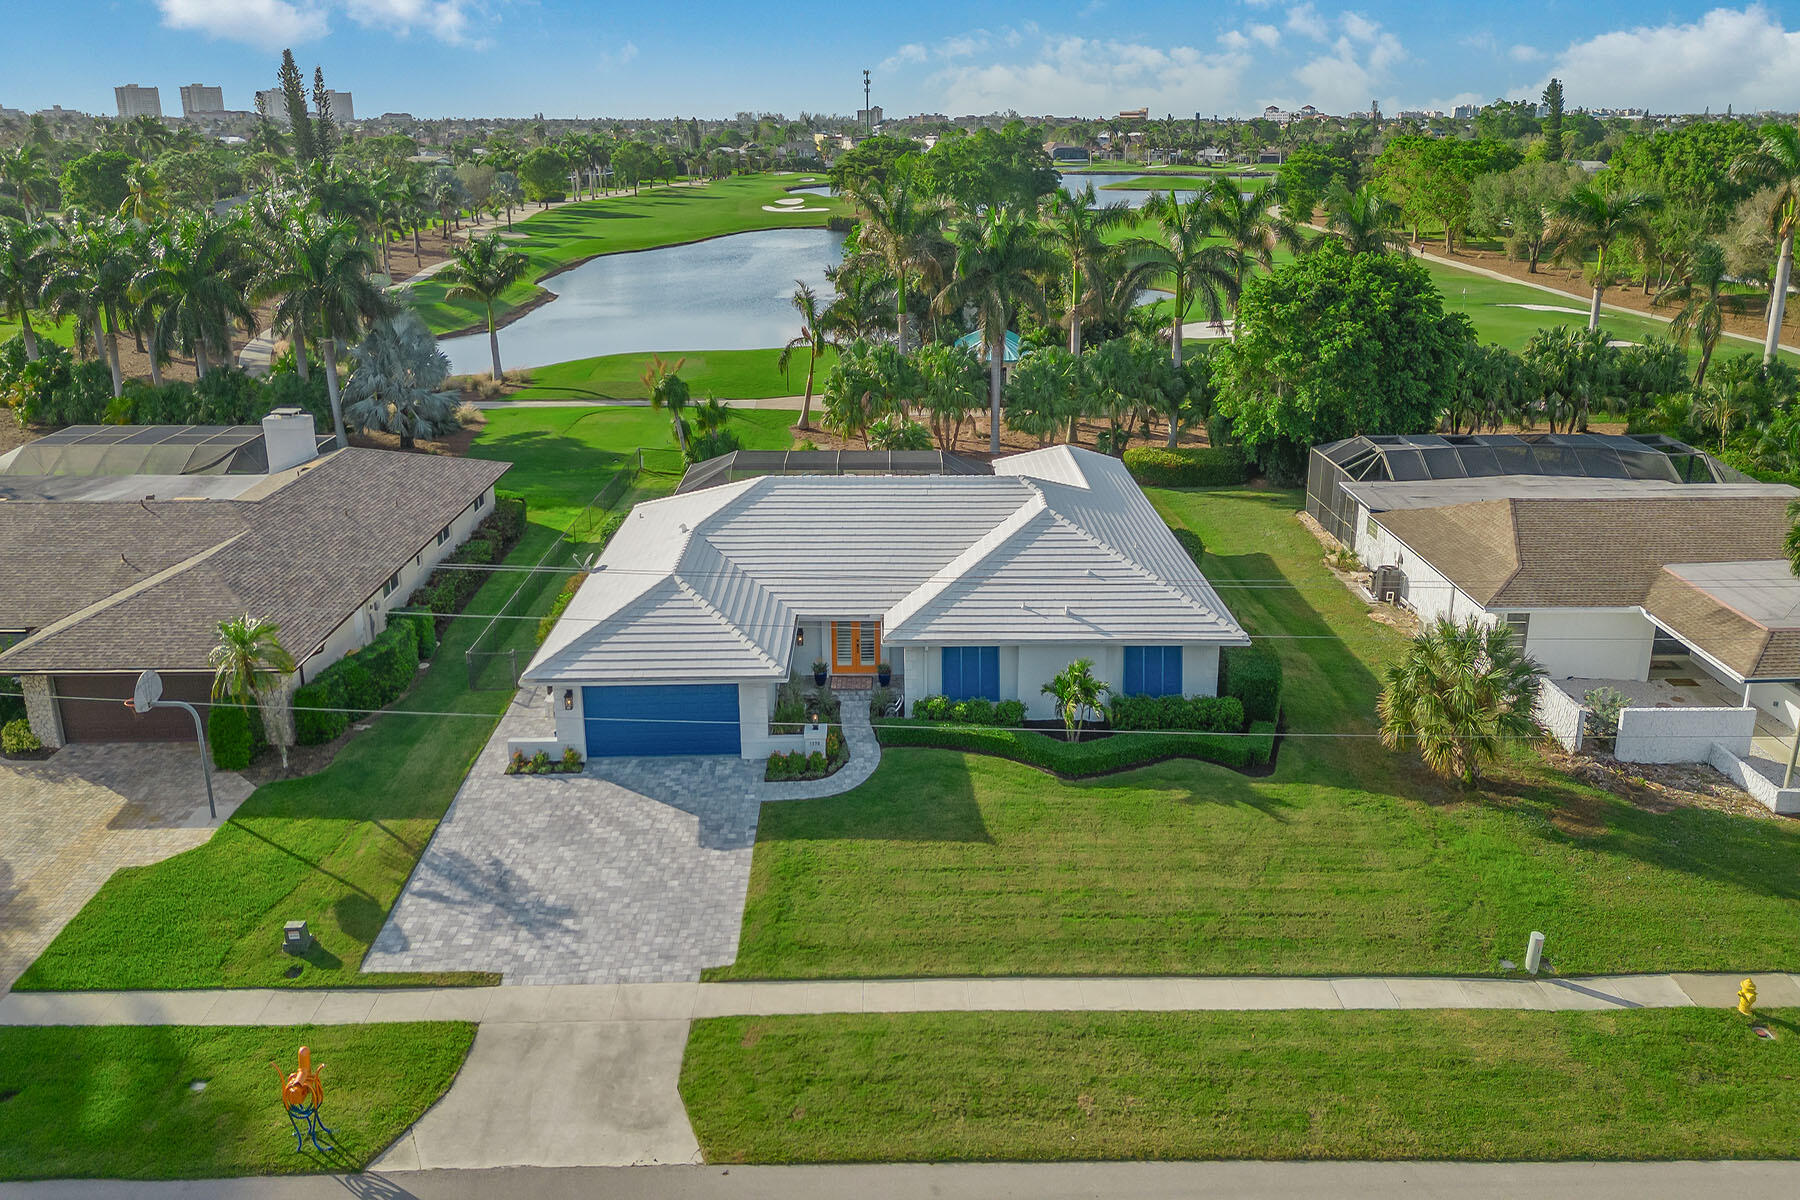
(1747,997)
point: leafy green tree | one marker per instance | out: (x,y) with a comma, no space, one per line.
(868,381)
(25,263)
(396,381)
(1077,227)
(1336,344)
(1553,120)
(1005,167)
(1492,387)
(1461,693)
(1307,174)
(1078,692)
(1690,164)
(195,286)
(1729,400)
(1576,372)
(1517,205)
(1775,166)
(1508,120)
(816,333)
(25,176)
(1131,381)
(870,163)
(1047,393)
(249,664)
(1191,258)
(1593,221)
(545,174)
(325,131)
(323,287)
(95,183)
(482,269)
(1000,259)
(91,276)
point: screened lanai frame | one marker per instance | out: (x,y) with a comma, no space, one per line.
(145,450)
(1434,456)
(749,464)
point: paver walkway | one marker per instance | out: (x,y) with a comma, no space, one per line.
(655,1002)
(69,821)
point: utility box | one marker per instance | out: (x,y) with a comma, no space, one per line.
(296,938)
(1388,584)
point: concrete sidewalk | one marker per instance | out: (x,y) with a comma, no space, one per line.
(988,1181)
(642,1002)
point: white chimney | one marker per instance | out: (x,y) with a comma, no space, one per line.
(289,438)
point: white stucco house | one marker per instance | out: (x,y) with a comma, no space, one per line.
(704,603)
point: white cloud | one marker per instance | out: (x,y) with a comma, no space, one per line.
(1233,40)
(268,24)
(1743,57)
(1523,53)
(1344,78)
(1359,27)
(447,20)
(912,52)
(1305,20)
(1268,35)
(1087,75)
(620,56)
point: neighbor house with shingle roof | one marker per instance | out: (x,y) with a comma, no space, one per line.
(968,586)
(110,571)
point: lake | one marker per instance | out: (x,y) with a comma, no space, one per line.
(728,293)
(1132,196)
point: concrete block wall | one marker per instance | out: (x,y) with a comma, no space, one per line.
(1562,717)
(1765,791)
(1673,735)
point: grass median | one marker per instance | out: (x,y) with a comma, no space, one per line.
(120,1102)
(1472,1085)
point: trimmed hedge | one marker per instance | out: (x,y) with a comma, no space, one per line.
(231,732)
(448,590)
(1190,541)
(1202,714)
(16,738)
(1188,466)
(1074,760)
(1253,675)
(559,605)
(976,711)
(361,682)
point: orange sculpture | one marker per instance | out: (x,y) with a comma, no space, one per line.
(302,1094)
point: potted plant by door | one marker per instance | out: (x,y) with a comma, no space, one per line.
(820,671)
(884,673)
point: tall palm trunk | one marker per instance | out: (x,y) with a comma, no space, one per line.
(112,356)
(493,341)
(1175,326)
(301,367)
(200,358)
(1706,353)
(30,335)
(1594,312)
(328,352)
(812,361)
(996,365)
(155,370)
(1784,268)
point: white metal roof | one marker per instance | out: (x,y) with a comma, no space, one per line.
(1057,545)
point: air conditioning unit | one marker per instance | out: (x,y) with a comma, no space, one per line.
(1389,584)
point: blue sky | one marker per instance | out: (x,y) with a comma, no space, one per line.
(1090,57)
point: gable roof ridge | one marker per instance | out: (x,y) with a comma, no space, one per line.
(915,601)
(1134,564)
(731,626)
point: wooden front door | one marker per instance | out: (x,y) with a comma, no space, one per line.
(855,647)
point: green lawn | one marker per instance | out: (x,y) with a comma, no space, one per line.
(61,332)
(561,237)
(335,848)
(1015,1086)
(1347,858)
(115,1101)
(728,374)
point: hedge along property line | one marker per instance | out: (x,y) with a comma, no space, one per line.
(1080,760)
(448,590)
(1253,675)
(1188,466)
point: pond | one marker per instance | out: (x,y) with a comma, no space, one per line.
(729,293)
(1132,196)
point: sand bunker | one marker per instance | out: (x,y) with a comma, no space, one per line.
(1580,312)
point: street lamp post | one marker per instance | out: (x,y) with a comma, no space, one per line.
(148,695)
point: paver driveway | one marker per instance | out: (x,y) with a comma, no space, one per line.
(633,872)
(69,821)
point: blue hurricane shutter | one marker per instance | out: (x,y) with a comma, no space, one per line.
(1134,671)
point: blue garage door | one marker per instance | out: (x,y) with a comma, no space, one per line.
(687,719)
(972,672)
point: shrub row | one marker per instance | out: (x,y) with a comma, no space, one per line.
(558,606)
(1253,675)
(799,765)
(1202,714)
(360,682)
(1114,753)
(542,764)
(1190,541)
(970,712)
(448,589)
(1189,466)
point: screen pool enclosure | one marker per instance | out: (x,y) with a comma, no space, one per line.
(1436,456)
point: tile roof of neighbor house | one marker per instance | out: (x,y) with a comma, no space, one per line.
(1057,545)
(128,585)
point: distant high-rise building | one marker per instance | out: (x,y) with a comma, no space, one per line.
(342,110)
(869,116)
(135,101)
(198,98)
(269,103)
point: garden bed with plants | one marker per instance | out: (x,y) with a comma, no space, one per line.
(799,766)
(800,698)
(541,763)
(18,742)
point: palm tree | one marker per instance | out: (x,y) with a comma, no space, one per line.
(999,259)
(1250,227)
(815,334)
(24,175)
(1076,226)
(248,663)
(196,284)
(1200,267)
(92,277)
(1076,691)
(1729,400)
(902,229)
(397,381)
(1775,163)
(1592,220)
(669,393)
(1701,295)
(1364,220)
(483,270)
(144,200)
(321,282)
(25,263)
(1461,692)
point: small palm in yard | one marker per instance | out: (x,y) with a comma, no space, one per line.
(1076,691)
(483,270)
(815,334)
(246,663)
(669,393)
(1460,693)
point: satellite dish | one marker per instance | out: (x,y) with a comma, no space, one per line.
(147,692)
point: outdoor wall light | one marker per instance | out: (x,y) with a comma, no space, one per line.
(812,718)
(568,699)
(799,637)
